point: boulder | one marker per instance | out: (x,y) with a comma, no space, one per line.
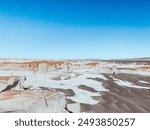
(34,101)
(8,83)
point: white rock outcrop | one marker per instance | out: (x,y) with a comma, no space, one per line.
(32,101)
(8,84)
(43,68)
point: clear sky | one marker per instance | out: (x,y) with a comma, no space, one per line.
(71,29)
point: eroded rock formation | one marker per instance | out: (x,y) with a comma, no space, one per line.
(32,101)
(14,98)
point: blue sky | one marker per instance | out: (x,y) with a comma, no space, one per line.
(71,29)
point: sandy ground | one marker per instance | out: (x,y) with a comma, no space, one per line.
(120,98)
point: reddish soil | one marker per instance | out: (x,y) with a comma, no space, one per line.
(92,64)
(6,77)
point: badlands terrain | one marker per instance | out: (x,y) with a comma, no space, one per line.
(32,85)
